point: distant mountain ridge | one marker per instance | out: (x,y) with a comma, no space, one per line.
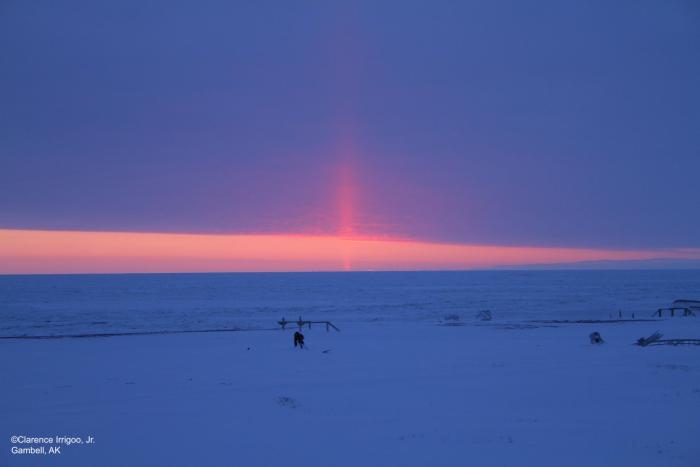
(655,263)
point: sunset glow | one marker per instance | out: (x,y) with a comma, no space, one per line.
(34,251)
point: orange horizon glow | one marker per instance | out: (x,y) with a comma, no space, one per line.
(57,252)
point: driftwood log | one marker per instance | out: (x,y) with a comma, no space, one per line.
(655,339)
(644,341)
(677,342)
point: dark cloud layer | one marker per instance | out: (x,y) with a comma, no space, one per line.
(560,123)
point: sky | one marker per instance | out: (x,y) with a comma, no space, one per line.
(555,126)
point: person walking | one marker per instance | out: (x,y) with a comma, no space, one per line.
(298,340)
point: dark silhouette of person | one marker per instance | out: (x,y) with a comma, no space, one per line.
(299,340)
(596,338)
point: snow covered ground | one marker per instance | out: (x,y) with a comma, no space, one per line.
(389,393)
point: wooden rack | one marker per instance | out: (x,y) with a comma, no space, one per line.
(301,323)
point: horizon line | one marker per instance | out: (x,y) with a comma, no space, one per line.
(26,251)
